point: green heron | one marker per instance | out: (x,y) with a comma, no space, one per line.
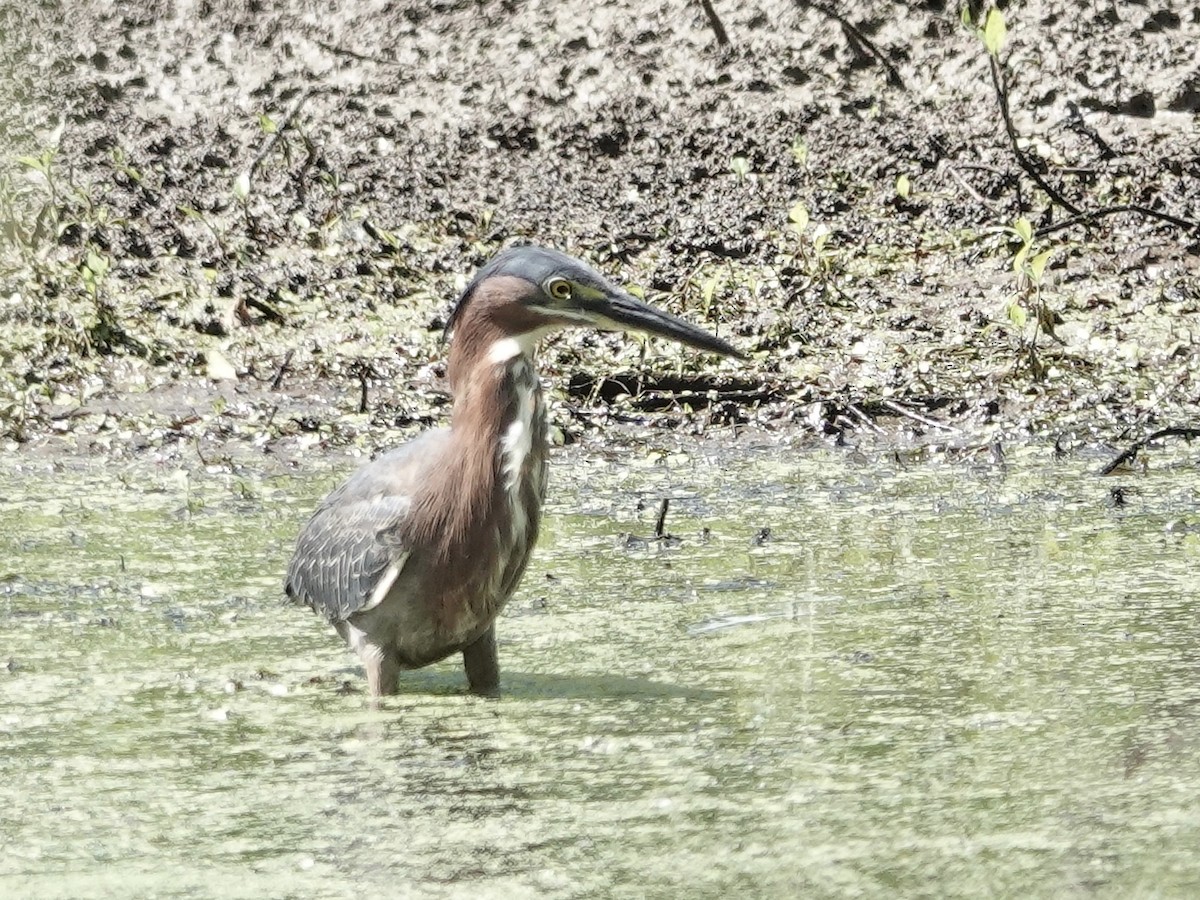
(414,556)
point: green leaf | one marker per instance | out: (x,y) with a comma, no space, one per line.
(903,187)
(41,163)
(799,151)
(1024,230)
(267,124)
(820,237)
(994,31)
(1037,265)
(1019,259)
(798,216)
(1016,314)
(96,264)
(740,166)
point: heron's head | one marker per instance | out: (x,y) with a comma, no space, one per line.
(525,293)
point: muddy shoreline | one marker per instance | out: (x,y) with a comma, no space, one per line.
(224,230)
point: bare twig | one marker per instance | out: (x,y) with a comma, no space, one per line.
(364,371)
(1092,215)
(854,33)
(916,417)
(660,524)
(350,54)
(283,369)
(268,311)
(1078,216)
(1001,86)
(957,176)
(1131,453)
(715,22)
(280,127)
(1160,396)
(1076,122)
(864,418)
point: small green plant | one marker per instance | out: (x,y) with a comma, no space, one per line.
(41,211)
(708,292)
(798,218)
(813,244)
(48,220)
(993,31)
(92,272)
(43,164)
(800,151)
(121,163)
(740,166)
(1028,301)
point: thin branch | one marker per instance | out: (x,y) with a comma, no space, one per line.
(1130,454)
(1084,218)
(715,22)
(350,54)
(944,166)
(924,420)
(1182,376)
(1023,160)
(660,524)
(864,418)
(856,34)
(283,370)
(1078,216)
(280,127)
(1076,122)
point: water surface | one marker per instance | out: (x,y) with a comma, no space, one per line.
(928,679)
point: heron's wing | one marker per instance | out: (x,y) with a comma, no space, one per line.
(352,549)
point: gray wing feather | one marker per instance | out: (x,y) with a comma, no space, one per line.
(356,534)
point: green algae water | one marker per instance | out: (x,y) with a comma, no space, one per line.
(848,676)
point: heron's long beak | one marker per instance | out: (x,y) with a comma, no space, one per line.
(616,310)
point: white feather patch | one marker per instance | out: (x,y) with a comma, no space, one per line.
(517,442)
(504,350)
(385,583)
(508,348)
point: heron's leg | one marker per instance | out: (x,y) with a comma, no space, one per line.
(482,665)
(383,670)
(381,663)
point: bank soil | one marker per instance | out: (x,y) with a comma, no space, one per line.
(239,227)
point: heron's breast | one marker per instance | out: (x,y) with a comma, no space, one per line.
(522,462)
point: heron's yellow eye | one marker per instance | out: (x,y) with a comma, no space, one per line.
(559,288)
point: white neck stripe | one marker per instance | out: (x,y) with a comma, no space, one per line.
(508,348)
(505,349)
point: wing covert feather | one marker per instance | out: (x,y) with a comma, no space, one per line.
(357,532)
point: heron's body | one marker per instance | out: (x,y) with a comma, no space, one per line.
(415,555)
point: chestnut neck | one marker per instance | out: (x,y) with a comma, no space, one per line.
(457,510)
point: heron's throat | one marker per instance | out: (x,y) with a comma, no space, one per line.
(485,498)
